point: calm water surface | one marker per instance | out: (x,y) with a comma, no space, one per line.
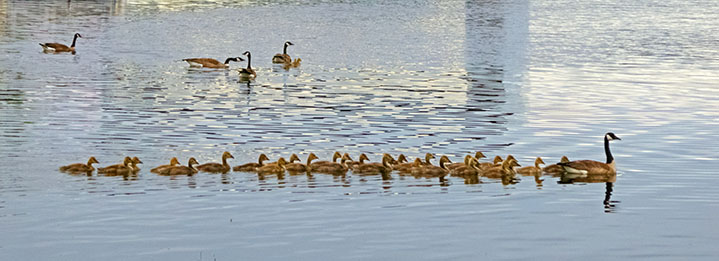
(527,78)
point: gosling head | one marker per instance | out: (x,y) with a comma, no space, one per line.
(92,160)
(174,161)
(347,157)
(136,160)
(336,156)
(294,158)
(363,157)
(192,162)
(127,161)
(564,159)
(479,155)
(402,159)
(497,159)
(444,160)
(227,155)
(311,157)
(263,157)
(539,161)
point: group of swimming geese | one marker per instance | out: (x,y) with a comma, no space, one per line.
(246,74)
(499,168)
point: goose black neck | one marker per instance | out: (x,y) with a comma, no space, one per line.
(249,60)
(284,51)
(228,60)
(610,158)
(73,41)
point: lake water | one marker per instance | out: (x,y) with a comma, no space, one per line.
(544,78)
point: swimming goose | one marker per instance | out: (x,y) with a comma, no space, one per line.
(431,171)
(591,167)
(299,167)
(118,169)
(283,57)
(459,164)
(428,157)
(554,168)
(58,47)
(333,168)
(217,167)
(471,167)
(79,167)
(375,168)
(252,166)
(532,170)
(278,168)
(181,170)
(405,168)
(248,73)
(495,162)
(354,164)
(135,161)
(173,162)
(506,169)
(335,156)
(211,63)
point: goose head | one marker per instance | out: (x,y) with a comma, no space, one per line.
(564,159)
(174,161)
(467,158)
(347,157)
(428,157)
(402,159)
(192,162)
(387,161)
(227,155)
(127,161)
(444,160)
(363,157)
(92,160)
(311,157)
(497,159)
(539,161)
(479,155)
(336,156)
(294,158)
(262,158)
(611,136)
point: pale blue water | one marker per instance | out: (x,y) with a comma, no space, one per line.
(446,77)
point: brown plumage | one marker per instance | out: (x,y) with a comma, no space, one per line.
(278,168)
(211,63)
(582,168)
(173,162)
(118,169)
(375,168)
(252,166)
(79,167)
(217,167)
(495,162)
(354,164)
(248,73)
(427,157)
(407,167)
(135,161)
(283,57)
(181,170)
(335,156)
(431,171)
(465,162)
(554,168)
(58,47)
(293,168)
(506,169)
(471,167)
(333,168)
(532,170)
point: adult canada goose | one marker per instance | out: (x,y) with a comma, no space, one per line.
(173,162)
(283,57)
(211,63)
(335,156)
(375,168)
(554,168)
(217,167)
(118,169)
(354,164)
(248,73)
(506,169)
(58,47)
(495,162)
(79,167)
(532,170)
(252,166)
(278,168)
(431,171)
(460,164)
(181,170)
(299,167)
(471,167)
(591,167)
(333,168)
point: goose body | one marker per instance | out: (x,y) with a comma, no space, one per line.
(118,169)
(375,168)
(252,166)
(460,164)
(591,167)
(248,73)
(495,162)
(333,168)
(173,162)
(80,167)
(283,57)
(470,167)
(405,168)
(270,169)
(335,156)
(58,47)
(299,167)
(431,171)
(506,169)
(355,164)
(217,167)
(211,63)
(532,170)
(554,168)
(180,170)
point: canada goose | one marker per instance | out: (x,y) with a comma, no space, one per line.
(58,48)
(532,170)
(135,161)
(333,168)
(335,156)
(173,162)
(460,164)
(299,167)
(478,155)
(591,167)
(181,170)
(283,57)
(252,166)
(375,168)
(400,159)
(79,167)
(118,169)
(211,63)
(506,169)
(554,168)
(428,157)
(354,164)
(486,165)
(247,73)
(471,167)
(405,168)
(217,167)
(431,171)
(278,168)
